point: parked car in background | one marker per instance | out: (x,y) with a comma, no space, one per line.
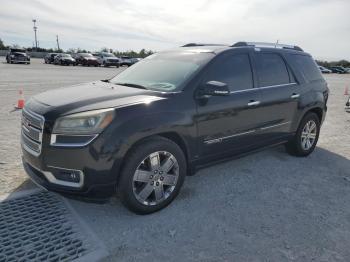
(86,59)
(338,70)
(16,55)
(141,132)
(135,60)
(324,70)
(107,59)
(64,59)
(49,58)
(126,61)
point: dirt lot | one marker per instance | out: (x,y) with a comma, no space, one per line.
(267,206)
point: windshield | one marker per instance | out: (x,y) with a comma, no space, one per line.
(163,71)
(66,55)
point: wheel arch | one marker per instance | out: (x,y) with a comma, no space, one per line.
(171,135)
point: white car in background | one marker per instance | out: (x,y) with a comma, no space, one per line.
(107,59)
(324,70)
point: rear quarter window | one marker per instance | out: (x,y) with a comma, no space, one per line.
(307,66)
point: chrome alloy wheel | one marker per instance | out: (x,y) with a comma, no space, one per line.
(155,178)
(308,135)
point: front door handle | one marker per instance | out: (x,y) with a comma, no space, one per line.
(254,103)
(294,96)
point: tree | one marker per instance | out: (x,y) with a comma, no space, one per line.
(2,46)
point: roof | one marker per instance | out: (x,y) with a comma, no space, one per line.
(217,48)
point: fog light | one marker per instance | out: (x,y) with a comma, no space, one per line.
(72,176)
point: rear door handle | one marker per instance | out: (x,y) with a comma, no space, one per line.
(254,103)
(294,96)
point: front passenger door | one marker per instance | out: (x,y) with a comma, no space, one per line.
(228,123)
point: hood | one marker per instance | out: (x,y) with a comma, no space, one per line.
(90,96)
(90,58)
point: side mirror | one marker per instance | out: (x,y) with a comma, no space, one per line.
(214,88)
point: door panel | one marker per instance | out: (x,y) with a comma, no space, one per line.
(229,123)
(279,95)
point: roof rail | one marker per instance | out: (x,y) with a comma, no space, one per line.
(272,45)
(200,44)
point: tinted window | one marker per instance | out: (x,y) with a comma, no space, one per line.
(307,66)
(234,70)
(168,71)
(271,70)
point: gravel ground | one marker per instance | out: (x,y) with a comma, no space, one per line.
(267,206)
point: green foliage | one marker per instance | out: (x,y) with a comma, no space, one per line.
(2,46)
(142,54)
(343,63)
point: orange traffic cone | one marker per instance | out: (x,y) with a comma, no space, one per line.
(20,101)
(346,92)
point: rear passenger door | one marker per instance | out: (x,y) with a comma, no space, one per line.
(279,94)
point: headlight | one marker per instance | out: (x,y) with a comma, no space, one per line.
(91,122)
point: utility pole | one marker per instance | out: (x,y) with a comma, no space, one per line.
(35,28)
(58,44)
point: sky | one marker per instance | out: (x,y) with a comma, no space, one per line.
(320,27)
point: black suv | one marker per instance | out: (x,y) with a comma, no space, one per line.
(141,132)
(16,55)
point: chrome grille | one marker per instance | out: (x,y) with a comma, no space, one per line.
(32,131)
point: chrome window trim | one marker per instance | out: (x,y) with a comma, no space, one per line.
(54,136)
(262,87)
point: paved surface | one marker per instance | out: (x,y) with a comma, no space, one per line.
(41,227)
(267,206)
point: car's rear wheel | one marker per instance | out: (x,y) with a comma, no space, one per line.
(305,139)
(153,174)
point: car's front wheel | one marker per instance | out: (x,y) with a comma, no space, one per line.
(305,139)
(153,174)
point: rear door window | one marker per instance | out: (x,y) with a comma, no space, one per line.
(271,70)
(233,70)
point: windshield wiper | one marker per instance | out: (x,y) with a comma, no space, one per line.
(131,85)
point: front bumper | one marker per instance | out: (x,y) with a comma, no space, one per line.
(44,179)
(83,170)
(20,61)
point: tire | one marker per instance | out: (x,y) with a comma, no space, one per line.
(130,191)
(297,145)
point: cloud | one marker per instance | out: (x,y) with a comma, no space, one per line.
(319,26)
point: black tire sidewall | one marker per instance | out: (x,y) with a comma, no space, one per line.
(308,117)
(125,184)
